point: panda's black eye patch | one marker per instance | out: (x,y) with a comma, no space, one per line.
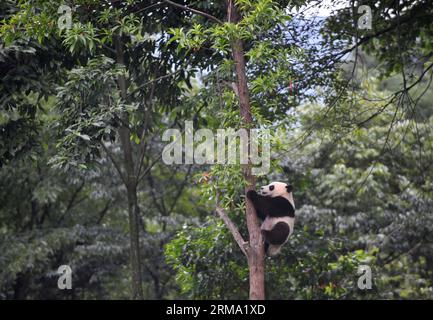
(271,188)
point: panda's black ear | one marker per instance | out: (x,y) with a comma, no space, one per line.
(289,188)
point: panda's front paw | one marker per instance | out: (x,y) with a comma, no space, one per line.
(251,194)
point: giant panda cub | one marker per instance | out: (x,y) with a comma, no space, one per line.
(276,208)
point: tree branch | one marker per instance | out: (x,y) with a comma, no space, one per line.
(367,38)
(233,230)
(72,202)
(116,165)
(153,81)
(204,14)
(180,190)
(256,254)
(103,212)
(149,167)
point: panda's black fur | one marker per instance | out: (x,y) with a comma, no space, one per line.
(276,208)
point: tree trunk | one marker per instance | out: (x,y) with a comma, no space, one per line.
(256,254)
(131,184)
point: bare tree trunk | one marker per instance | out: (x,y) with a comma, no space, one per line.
(131,184)
(256,255)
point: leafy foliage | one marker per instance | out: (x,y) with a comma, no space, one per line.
(354,136)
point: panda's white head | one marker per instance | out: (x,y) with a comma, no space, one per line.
(275,189)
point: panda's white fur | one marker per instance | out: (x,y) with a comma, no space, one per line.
(269,223)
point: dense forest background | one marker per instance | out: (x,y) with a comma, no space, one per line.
(84,104)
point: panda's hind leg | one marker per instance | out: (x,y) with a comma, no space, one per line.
(278,235)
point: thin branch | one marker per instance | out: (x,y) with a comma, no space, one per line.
(369,37)
(396,94)
(147,8)
(388,134)
(180,190)
(149,167)
(103,212)
(204,14)
(145,128)
(155,80)
(243,245)
(116,165)
(109,49)
(419,79)
(72,202)
(161,207)
(234,230)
